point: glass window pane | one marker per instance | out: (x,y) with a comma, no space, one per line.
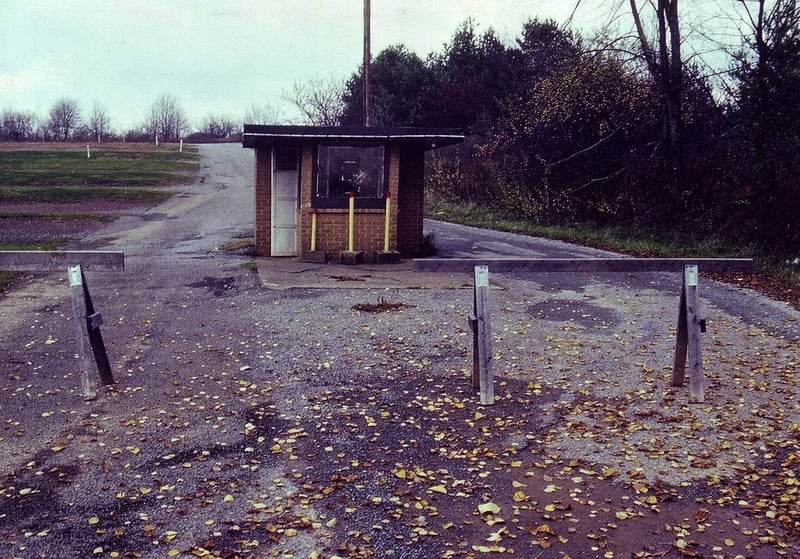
(345,169)
(285,159)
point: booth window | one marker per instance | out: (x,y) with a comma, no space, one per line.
(345,169)
(285,159)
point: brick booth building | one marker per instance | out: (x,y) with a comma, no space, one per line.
(306,170)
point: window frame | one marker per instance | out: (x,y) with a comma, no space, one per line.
(343,202)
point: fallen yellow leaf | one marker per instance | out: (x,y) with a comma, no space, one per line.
(519,497)
(488,508)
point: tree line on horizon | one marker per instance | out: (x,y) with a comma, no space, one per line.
(65,122)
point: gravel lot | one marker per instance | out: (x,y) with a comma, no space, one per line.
(262,414)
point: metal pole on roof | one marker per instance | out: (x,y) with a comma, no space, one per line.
(367,60)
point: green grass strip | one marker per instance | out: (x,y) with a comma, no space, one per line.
(67,194)
(103,168)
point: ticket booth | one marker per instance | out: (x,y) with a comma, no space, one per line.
(335,181)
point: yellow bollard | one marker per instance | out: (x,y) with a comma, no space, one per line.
(314,229)
(388,222)
(350,223)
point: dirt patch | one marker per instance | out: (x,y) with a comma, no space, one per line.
(30,223)
(27,230)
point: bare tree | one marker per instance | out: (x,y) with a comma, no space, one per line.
(319,100)
(99,122)
(64,117)
(219,126)
(166,119)
(18,126)
(665,65)
(262,114)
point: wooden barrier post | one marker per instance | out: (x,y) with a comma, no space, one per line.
(78,301)
(690,325)
(681,340)
(93,322)
(87,319)
(482,341)
(687,344)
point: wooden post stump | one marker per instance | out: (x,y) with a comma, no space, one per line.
(78,301)
(687,344)
(482,341)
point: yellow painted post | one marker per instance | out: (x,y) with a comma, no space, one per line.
(388,222)
(314,229)
(351,220)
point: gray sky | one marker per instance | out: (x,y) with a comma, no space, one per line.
(217,57)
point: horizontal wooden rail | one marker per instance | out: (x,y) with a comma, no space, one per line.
(545,265)
(59,260)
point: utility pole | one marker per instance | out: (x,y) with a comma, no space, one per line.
(367,59)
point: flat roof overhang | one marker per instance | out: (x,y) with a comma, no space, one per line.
(256,135)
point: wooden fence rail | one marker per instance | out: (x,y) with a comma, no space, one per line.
(690,323)
(586,265)
(59,260)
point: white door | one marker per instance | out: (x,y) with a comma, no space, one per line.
(285,206)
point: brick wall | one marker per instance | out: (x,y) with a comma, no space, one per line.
(405,176)
(262,230)
(411,202)
(332,224)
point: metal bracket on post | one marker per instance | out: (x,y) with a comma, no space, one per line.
(687,345)
(482,360)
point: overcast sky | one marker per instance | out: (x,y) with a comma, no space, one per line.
(216,57)
(222,56)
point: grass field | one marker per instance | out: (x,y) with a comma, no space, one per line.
(110,165)
(50,192)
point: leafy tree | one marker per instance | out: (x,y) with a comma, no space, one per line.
(471,77)
(64,117)
(568,142)
(543,47)
(399,83)
(768,125)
